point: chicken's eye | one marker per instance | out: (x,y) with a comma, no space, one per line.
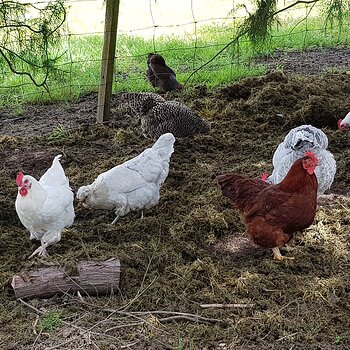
(26,181)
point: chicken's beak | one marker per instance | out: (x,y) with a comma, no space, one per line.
(342,126)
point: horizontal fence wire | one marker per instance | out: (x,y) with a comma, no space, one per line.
(188,43)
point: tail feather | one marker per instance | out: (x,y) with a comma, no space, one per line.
(55,175)
(240,190)
(228,186)
(165,144)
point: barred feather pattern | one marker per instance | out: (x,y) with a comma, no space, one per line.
(173,117)
(139,102)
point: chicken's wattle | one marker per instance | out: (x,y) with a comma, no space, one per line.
(23,191)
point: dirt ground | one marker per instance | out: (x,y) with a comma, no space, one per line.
(310,61)
(191,248)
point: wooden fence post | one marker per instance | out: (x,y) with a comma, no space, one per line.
(108,54)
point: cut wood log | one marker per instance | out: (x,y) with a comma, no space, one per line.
(93,278)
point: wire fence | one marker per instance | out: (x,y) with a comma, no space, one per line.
(189,34)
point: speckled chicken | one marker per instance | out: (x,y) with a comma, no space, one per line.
(139,102)
(133,185)
(299,140)
(160,75)
(159,116)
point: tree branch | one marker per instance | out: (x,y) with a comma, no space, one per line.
(245,31)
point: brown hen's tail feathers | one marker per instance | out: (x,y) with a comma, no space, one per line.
(240,190)
(227,181)
(228,186)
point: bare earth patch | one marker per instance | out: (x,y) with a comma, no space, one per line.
(312,61)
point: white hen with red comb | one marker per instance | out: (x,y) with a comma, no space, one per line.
(45,207)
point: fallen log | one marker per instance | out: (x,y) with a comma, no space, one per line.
(93,278)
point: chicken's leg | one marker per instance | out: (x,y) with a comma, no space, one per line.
(277,255)
(48,239)
(115,220)
(141,214)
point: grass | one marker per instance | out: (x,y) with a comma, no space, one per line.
(79,66)
(50,321)
(60,133)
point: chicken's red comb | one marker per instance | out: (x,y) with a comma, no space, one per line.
(312,156)
(264,176)
(19,178)
(339,123)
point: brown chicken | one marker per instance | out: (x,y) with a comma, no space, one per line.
(273,213)
(160,75)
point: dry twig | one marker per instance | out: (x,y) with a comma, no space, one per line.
(217,306)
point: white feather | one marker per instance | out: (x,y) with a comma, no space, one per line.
(296,143)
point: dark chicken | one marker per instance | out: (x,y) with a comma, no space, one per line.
(273,213)
(160,75)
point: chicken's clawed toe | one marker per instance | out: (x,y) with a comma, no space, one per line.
(41,251)
(281,258)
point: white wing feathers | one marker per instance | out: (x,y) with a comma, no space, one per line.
(296,143)
(153,163)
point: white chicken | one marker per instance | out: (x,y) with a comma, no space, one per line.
(45,207)
(133,185)
(299,140)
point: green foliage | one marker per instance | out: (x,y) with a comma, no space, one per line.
(74,63)
(51,321)
(258,24)
(336,10)
(29,36)
(60,133)
(341,339)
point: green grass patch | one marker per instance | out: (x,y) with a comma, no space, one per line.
(51,321)
(79,64)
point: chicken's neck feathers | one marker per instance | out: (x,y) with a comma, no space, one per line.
(298,180)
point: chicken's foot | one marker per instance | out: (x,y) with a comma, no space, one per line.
(277,255)
(41,251)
